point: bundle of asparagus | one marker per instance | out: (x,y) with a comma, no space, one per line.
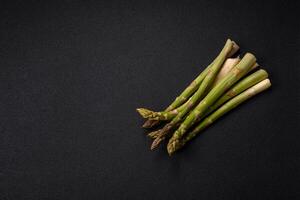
(223,85)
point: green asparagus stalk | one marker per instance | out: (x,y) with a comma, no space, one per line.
(166,116)
(146,113)
(235,74)
(188,91)
(238,88)
(170,115)
(206,83)
(258,88)
(196,82)
(235,90)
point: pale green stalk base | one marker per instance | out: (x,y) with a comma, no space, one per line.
(226,68)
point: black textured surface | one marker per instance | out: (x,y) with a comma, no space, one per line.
(73,72)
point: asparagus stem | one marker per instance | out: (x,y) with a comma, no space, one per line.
(166,116)
(198,95)
(161,116)
(235,74)
(145,113)
(189,90)
(258,88)
(195,84)
(239,87)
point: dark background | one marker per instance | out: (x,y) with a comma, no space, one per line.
(73,72)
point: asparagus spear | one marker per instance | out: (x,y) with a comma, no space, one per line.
(259,87)
(195,84)
(170,115)
(206,83)
(189,90)
(146,113)
(166,116)
(235,74)
(238,88)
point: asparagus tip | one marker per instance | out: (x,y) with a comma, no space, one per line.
(172,146)
(156,142)
(145,113)
(150,123)
(153,134)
